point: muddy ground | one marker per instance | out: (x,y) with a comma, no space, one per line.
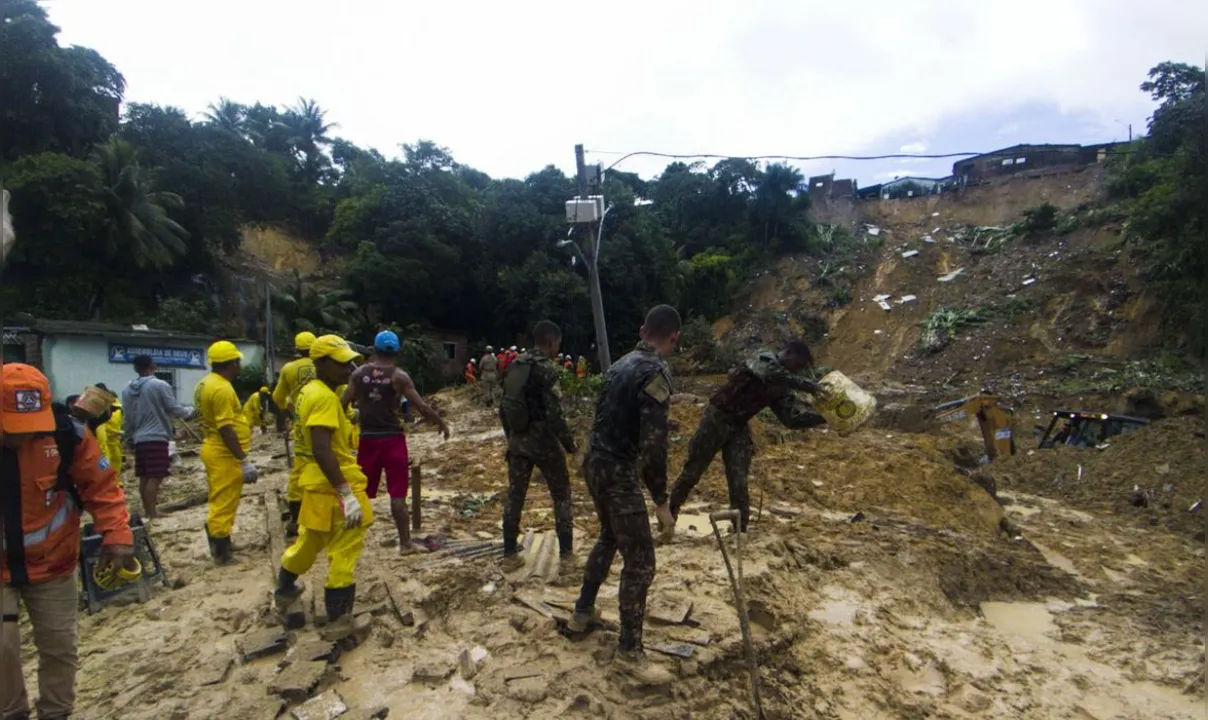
(881,583)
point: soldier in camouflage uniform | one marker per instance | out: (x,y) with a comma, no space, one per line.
(766,381)
(628,439)
(537,433)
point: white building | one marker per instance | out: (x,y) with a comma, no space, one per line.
(77,354)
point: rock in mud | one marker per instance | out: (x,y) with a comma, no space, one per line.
(215,671)
(348,633)
(296,682)
(431,672)
(314,650)
(374,714)
(263,643)
(327,706)
(528,690)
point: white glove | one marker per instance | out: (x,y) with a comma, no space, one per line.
(250,474)
(352,508)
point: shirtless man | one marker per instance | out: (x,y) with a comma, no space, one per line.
(376,388)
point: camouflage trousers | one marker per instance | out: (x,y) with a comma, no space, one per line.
(488,390)
(552,463)
(717,432)
(624,526)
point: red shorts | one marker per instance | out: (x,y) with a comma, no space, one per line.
(388,453)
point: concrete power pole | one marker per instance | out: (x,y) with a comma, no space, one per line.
(591,253)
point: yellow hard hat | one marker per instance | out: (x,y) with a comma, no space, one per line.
(223,351)
(303,340)
(263,389)
(334,347)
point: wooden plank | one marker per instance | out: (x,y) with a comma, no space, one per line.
(682,650)
(535,605)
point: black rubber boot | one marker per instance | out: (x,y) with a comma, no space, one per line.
(339,602)
(223,554)
(286,597)
(291,526)
(210,541)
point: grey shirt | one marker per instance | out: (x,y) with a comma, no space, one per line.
(148,406)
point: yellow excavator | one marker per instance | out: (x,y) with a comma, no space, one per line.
(994,420)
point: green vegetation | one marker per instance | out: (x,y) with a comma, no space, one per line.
(702,350)
(1162,372)
(134,217)
(1162,185)
(941,327)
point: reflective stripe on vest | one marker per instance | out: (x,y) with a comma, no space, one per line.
(41,535)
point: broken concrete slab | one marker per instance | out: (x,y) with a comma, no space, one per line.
(670,611)
(374,609)
(215,671)
(327,706)
(296,682)
(263,643)
(431,672)
(696,637)
(313,650)
(466,665)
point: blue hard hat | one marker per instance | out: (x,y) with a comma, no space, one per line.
(386,341)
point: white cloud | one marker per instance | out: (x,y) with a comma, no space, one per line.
(511,87)
(914,148)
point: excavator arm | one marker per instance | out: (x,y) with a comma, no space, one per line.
(994,421)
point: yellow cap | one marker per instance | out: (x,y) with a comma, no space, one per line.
(223,351)
(303,340)
(334,347)
(264,389)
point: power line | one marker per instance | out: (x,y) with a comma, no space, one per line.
(809,158)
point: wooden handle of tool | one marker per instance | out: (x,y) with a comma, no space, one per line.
(721,515)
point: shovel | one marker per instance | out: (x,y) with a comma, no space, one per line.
(736,583)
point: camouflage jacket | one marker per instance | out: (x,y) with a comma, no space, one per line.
(543,398)
(631,416)
(765,383)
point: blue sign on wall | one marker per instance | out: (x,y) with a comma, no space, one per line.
(163,356)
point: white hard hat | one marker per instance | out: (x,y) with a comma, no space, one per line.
(490,349)
(474,361)
(513,347)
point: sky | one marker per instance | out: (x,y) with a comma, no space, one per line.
(511,87)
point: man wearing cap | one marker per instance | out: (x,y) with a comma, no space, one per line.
(45,455)
(256,409)
(335,508)
(149,405)
(294,376)
(376,387)
(224,447)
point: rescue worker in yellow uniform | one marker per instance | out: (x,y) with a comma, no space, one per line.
(354,421)
(335,508)
(255,410)
(113,440)
(224,447)
(294,377)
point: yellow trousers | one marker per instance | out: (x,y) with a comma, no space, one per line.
(293,492)
(224,475)
(114,454)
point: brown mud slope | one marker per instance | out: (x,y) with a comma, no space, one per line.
(878,582)
(1044,301)
(1153,476)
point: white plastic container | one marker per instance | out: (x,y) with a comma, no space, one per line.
(846,406)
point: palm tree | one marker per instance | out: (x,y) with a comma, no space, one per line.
(137,215)
(309,136)
(778,186)
(228,115)
(304,308)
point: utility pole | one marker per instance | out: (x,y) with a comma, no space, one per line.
(591,253)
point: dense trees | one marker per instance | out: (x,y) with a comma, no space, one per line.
(1164,187)
(135,217)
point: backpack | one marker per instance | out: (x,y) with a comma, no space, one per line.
(514,406)
(67,438)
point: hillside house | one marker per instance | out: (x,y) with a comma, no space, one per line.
(1030,159)
(77,354)
(451,348)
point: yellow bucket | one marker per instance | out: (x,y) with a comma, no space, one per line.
(846,406)
(95,401)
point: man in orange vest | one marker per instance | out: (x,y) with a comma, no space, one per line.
(471,378)
(50,462)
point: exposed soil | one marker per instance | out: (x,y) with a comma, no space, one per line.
(879,579)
